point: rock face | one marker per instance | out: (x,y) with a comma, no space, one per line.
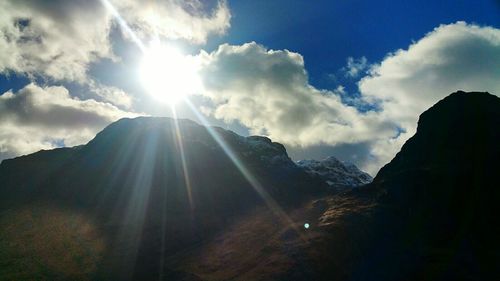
(153,188)
(337,174)
(439,196)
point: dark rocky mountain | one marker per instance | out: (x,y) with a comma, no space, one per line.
(339,175)
(149,196)
(441,194)
(118,208)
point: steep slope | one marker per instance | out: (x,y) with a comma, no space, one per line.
(337,174)
(440,195)
(149,197)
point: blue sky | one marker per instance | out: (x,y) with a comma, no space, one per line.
(299,62)
(327,32)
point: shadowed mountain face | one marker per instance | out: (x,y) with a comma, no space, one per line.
(121,207)
(440,193)
(154,187)
(146,153)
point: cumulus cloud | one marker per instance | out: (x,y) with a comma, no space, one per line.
(60,39)
(37,118)
(268,90)
(55,39)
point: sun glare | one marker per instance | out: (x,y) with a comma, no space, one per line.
(167,74)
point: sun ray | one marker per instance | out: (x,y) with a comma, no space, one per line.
(123,24)
(254,182)
(180,145)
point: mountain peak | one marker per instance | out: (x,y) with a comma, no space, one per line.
(438,198)
(337,174)
(457,127)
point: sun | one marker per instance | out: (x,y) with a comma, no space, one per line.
(167,74)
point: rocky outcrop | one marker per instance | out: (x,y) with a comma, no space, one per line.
(337,174)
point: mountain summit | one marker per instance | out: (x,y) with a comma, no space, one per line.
(337,174)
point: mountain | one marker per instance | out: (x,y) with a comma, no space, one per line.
(121,207)
(150,186)
(337,174)
(430,214)
(147,152)
(438,198)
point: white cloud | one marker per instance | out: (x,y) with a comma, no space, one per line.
(355,67)
(190,20)
(55,39)
(407,82)
(268,91)
(60,39)
(37,118)
(111,94)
